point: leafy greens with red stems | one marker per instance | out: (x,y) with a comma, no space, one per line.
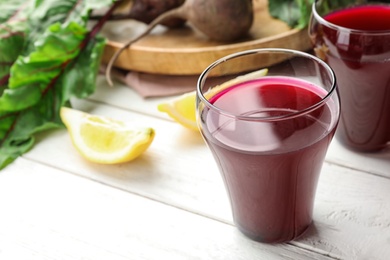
(47,56)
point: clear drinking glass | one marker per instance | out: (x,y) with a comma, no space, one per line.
(269,135)
(353,37)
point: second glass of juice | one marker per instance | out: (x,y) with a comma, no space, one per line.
(353,37)
(268,116)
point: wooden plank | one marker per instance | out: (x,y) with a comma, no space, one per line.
(351,216)
(159,173)
(377,163)
(51,214)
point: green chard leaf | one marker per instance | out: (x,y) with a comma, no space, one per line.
(296,13)
(45,60)
(12,42)
(12,35)
(13,10)
(44,13)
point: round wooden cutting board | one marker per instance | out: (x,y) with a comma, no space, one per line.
(185,51)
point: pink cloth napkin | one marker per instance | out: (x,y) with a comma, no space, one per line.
(153,85)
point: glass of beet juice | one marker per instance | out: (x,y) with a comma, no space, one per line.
(354,39)
(269,135)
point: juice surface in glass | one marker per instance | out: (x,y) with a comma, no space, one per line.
(270,168)
(361,60)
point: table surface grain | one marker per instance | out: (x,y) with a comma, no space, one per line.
(170,203)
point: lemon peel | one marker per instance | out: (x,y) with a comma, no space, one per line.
(103,140)
(182,108)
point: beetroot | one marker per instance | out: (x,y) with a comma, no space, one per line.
(220,20)
(147,10)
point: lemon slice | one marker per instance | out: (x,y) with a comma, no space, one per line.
(104,140)
(182,109)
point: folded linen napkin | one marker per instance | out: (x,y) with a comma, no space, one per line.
(153,85)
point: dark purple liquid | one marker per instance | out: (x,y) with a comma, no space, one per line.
(270,169)
(361,62)
(368,18)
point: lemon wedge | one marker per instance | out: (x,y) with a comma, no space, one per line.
(104,140)
(182,108)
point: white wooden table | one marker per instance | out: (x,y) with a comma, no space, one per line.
(170,203)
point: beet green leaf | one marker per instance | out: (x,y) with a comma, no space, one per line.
(48,55)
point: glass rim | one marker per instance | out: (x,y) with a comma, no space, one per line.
(321,20)
(204,74)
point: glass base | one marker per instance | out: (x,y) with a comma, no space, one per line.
(271,237)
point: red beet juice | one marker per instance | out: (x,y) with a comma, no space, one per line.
(270,168)
(358,50)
